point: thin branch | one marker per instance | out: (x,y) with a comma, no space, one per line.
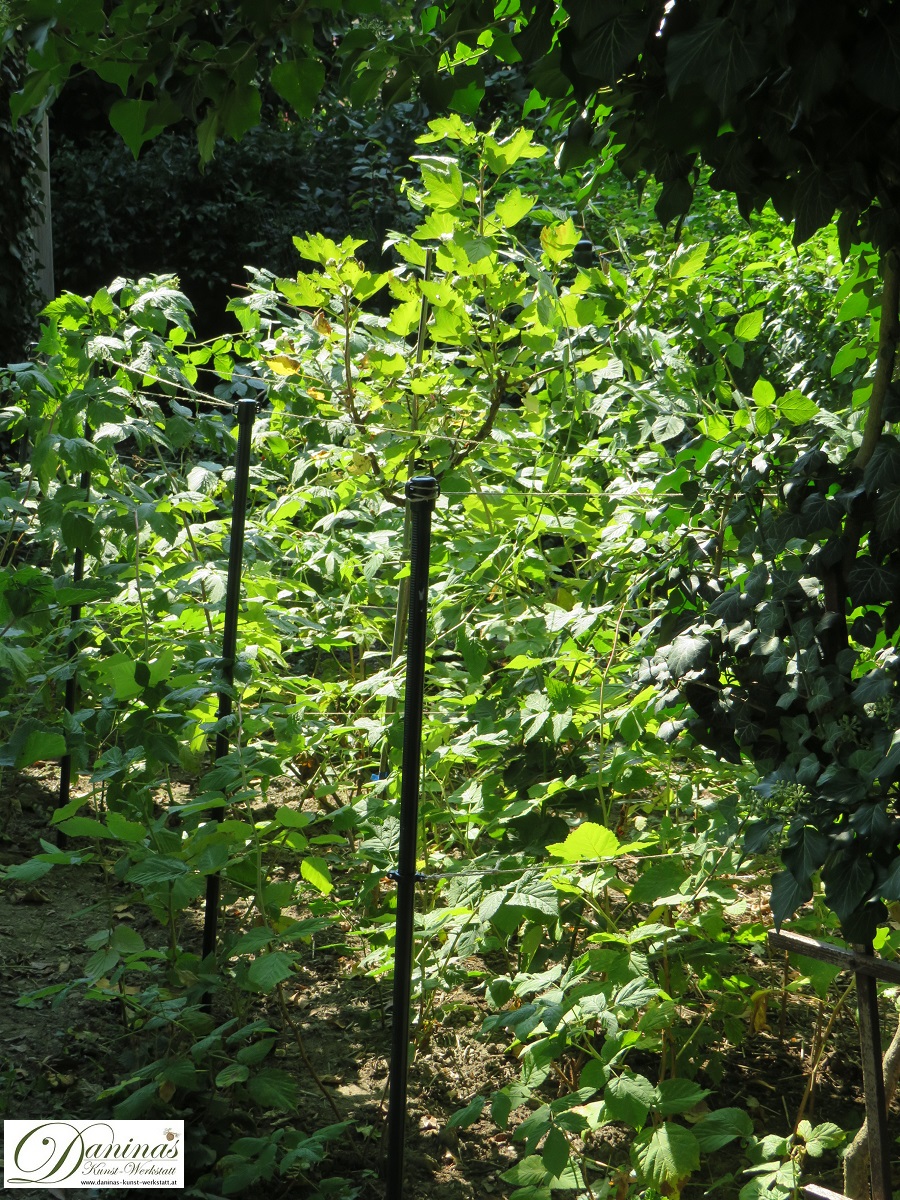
(298,1038)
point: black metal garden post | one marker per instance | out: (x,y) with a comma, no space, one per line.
(245,411)
(421,494)
(71,696)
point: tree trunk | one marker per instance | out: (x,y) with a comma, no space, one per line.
(43,227)
(888,336)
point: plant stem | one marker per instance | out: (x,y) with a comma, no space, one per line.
(298,1038)
(814,1069)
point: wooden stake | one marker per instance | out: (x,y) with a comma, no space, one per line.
(866,969)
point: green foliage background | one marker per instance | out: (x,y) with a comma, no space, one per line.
(20,184)
(598,402)
(337,173)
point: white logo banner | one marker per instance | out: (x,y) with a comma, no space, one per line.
(71,1154)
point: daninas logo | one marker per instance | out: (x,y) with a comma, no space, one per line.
(49,1153)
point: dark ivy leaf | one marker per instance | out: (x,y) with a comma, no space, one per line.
(687,653)
(873,686)
(871,821)
(883,468)
(865,629)
(674,201)
(847,883)
(787,896)
(822,512)
(759,834)
(716,54)
(889,888)
(731,606)
(888,510)
(872,582)
(876,68)
(815,199)
(805,854)
(601,40)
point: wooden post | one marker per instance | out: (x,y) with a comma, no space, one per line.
(866,969)
(873,1083)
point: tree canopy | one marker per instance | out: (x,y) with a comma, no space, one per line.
(797,103)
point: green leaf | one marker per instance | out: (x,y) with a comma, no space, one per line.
(464,1117)
(28,872)
(267,971)
(690,261)
(586,843)
(807,851)
(667,1155)
(292,818)
(255,1053)
(126,940)
(84,827)
(677,1096)
(687,653)
(558,241)
(533,892)
(443,183)
(787,896)
(208,132)
(240,110)
(501,155)
(555,1155)
(156,869)
(299,82)
(124,830)
(826,1136)
(234,1073)
(528,1172)
(594,1074)
(31,744)
(718,55)
(717,1129)
(749,325)
(674,201)
(513,207)
(856,305)
(315,871)
(137,1103)
(797,408)
(138,121)
(629,1098)
(660,884)
(602,49)
(272,1088)
(815,199)
(847,884)
(763,393)
(119,670)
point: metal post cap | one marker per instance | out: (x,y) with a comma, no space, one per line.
(245,410)
(423,487)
